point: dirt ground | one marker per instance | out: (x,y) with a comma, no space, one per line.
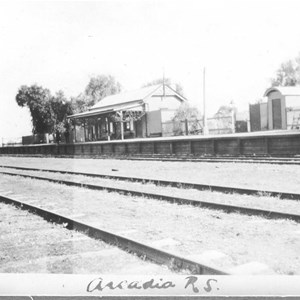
(29,244)
(258,176)
(183,229)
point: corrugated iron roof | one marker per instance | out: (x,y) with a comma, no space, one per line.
(140,94)
(137,105)
(115,102)
(124,97)
(284,90)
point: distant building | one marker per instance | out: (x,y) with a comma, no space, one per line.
(133,114)
(281,111)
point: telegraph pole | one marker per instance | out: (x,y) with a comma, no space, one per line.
(205,129)
(164,88)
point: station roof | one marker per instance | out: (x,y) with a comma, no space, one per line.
(140,94)
(284,90)
(128,99)
(134,105)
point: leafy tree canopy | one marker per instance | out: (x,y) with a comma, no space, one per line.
(81,103)
(288,73)
(168,81)
(97,88)
(226,110)
(60,108)
(48,113)
(187,112)
(189,115)
(100,87)
(36,98)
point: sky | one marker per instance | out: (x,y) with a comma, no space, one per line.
(60,45)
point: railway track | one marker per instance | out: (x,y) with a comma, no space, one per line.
(197,186)
(223,159)
(31,244)
(175,158)
(272,214)
(143,251)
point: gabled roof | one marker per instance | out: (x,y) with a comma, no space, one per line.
(284,90)
(136,95)
(134,105)
(128,100)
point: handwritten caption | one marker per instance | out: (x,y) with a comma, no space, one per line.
(191,283)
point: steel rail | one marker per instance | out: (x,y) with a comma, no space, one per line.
(170,158)
(143,251)
(271,214)
(251,160)
(197,186)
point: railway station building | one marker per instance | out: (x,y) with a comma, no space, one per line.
(133,114)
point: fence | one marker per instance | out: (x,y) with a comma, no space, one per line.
(221,125)
(293,118)
(216,125)
(176,128)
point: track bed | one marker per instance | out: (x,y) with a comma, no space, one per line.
(263,177)
(30,244)
(190,231)
(261,200)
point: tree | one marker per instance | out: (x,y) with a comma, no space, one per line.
(167,81)
(48,113)
(190,116)
(36,98)
(100,87)
(60,108)
(186,112)
(97,88)
(226,110)
(288,73)
(81,103)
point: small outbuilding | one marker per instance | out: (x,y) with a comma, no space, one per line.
(133,114)
(281,111)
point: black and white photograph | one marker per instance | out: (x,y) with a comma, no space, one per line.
(147,145)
